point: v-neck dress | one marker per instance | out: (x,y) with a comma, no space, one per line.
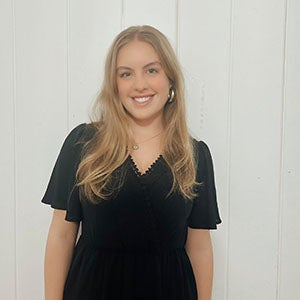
(132,246)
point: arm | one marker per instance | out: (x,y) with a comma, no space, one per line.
(59,249)
(199,250)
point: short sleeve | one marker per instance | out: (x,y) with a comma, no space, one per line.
(205,212)
(62,192)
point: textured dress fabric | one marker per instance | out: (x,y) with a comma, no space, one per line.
(132,246)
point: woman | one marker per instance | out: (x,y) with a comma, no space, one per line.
(141,187)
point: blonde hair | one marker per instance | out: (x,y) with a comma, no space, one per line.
(108,149)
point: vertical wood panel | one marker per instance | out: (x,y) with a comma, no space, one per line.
(48,105)
(7,203)
(290,242)
(204,49)
(157,13)
(256,136)
(92,30)
(41,124)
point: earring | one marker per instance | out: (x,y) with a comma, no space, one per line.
(171,95)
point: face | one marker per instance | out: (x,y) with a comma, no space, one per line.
(142,83)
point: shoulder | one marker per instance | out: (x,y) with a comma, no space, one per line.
(203,159)
(78,137)
(81,134)
(201,150)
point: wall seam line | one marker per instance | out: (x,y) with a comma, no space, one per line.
(14,88)
(282,159)
(122,13)
(229,128)
(177,24)
(68,66)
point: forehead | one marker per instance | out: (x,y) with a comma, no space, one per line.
(136,53)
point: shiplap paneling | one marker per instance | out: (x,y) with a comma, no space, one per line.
(204,29)
(7,174)
(157,13)
(60,50)
(92,30)
(290,237)
(258,41)
(41,124)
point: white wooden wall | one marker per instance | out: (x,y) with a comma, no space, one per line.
(241,59)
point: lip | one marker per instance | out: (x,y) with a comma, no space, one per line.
(142,99)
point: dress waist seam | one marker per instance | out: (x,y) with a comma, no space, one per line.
(124,250)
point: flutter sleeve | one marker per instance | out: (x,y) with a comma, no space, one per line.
(205,212)
(62,192)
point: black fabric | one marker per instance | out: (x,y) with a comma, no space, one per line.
(133,245)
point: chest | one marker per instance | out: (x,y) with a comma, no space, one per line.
(141,211)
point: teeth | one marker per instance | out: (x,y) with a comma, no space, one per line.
(142,99)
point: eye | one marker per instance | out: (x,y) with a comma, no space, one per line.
(125,74)
(152,71)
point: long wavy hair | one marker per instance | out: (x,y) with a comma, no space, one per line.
(98,174)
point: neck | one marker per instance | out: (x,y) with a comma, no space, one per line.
(141,131)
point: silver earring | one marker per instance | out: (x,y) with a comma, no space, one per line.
(171,95)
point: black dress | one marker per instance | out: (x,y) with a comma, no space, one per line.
(132,246)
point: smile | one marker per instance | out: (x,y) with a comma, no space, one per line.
(142,99)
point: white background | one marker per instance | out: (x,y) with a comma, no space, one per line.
(241,59)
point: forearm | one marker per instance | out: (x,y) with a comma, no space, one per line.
(202,264)
(200,252)
(57,262)
(59,251)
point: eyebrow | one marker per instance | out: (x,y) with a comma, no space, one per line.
(146,66)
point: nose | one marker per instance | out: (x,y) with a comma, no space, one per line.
(140,82)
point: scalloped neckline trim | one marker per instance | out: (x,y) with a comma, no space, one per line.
(148,170)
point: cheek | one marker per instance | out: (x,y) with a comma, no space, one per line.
(163,86)
(123,87)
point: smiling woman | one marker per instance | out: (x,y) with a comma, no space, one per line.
(142,83)
(141,186)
